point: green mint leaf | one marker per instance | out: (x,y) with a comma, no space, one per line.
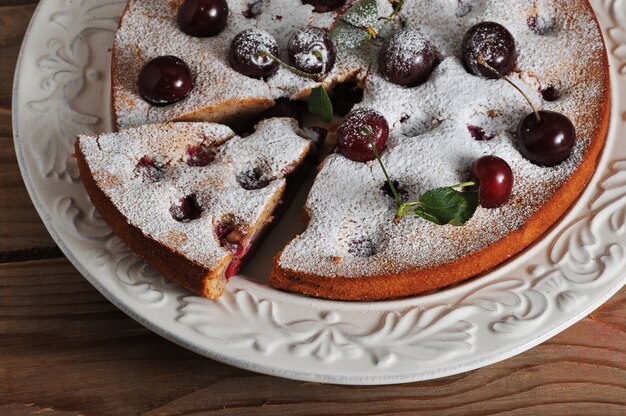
(351,30)
(447,206)
(363,14)
(319,104)
(345,35)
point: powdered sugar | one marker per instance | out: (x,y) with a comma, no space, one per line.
(351,231)
(432,147)
(148,29)
(147,202)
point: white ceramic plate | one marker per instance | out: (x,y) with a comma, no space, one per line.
(62,89)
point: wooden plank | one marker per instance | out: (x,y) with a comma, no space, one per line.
(65,347)
(14,18)
(6,3)
(22,233)
(31,410)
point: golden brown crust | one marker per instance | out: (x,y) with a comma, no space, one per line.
(192,276)
(415,281)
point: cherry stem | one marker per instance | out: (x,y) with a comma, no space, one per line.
(402,207)
(481,61)
(396,10)
(367,130)
(464,185)
(314,77)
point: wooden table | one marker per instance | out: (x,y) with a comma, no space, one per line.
(64,350)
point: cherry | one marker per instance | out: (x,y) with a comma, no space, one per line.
(200,155)
(550,93)
(235,265)
(496,181)
(407,58)
(323,6)
(246,53)
(186,209)
(229,235)
(492,43)
(479,134)
(309,48)
(354,143)
(202,18)
(546,142)
(148,168)
(252,179)
(165,80)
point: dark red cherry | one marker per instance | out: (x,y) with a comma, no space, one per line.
(547,142)
(203,18)
(246,53)
(308,48)
(479,134)
(186,209)
(253,179)
(550,93)
(496,181)
(148,168)
(354,143)
(165,80)
(323,6)
(407,58)
(492,43)
(200,155)
(229,235)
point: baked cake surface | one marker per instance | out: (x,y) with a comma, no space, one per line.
(148,29)
(352,249)
(139,178)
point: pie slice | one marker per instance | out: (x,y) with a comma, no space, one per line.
(191,198)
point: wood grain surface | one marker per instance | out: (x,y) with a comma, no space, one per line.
(65,350)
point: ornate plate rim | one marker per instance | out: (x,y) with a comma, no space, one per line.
(395,308)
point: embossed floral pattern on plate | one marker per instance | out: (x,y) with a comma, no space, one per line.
(62,89)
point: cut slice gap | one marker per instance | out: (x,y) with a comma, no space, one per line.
(287,225)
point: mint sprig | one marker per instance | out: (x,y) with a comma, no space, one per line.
(319,101)
(446,205)
(320,104)
(441,206)
(361,23)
